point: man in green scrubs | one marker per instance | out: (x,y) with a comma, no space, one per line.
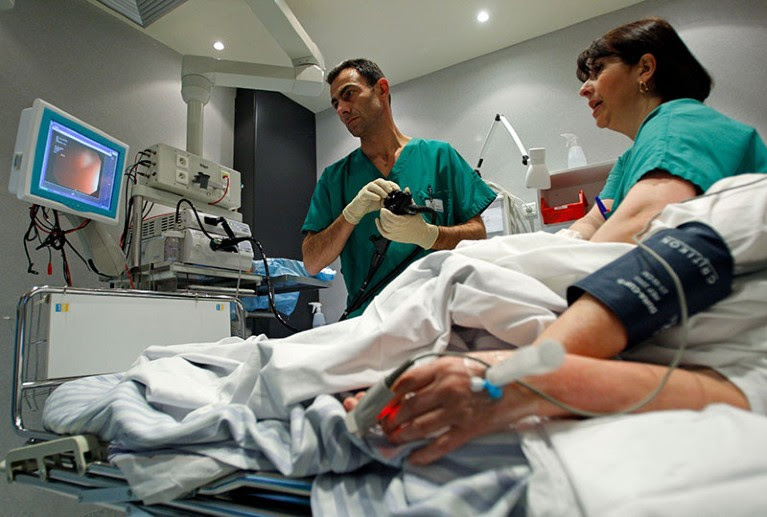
(350,193)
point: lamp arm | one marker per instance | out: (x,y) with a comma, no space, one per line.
(487,141)
(503,120)
(514,135)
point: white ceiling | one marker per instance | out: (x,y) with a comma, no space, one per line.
(407,38)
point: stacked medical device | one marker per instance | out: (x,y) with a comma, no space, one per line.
(185,235)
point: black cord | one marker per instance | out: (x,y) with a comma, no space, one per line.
(65,267)
(230,244)
(270,287)
(196,216)
(146,210)
(126,237)
(380,246)
(31,235)
(56,239)
(364,294)
(88,262)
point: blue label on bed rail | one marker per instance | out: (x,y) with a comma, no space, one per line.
(62,307)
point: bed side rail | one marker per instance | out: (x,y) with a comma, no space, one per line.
(70,453)
(42,319)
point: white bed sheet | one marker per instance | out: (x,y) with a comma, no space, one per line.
(680,463)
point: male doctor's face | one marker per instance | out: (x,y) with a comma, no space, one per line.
(358,104)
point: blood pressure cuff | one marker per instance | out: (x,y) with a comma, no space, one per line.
(640,291)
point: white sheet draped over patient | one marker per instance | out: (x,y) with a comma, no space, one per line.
(481,287)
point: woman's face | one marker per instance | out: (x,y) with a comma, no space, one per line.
(612,91)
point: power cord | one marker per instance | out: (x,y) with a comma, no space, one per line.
(55,240)
(229,244)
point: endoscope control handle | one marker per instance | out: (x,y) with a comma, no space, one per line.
(530,360)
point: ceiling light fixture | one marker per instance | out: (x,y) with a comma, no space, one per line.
(218,45)
(482,16)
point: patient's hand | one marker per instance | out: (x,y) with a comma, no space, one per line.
(435,400)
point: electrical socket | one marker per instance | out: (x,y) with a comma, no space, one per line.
(530,209)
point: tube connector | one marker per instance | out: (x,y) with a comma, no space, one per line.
(529,360)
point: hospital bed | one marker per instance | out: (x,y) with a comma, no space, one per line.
(709,462)
(604,467)
(66,333)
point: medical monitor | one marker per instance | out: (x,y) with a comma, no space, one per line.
(63,163)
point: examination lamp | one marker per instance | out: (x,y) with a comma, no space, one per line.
(537,174)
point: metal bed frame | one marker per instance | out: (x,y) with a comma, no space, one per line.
(76,466)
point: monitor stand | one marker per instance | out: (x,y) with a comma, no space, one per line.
(100,246)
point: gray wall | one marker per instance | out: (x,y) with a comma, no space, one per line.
(88,63)
(99,69)
(534,85)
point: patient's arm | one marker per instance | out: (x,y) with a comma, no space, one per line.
(436,396)
(588,328)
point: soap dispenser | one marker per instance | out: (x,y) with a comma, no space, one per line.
(575,155)
(318,319)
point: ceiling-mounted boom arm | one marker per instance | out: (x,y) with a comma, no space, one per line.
(199,74)
(280,21)
(301,79)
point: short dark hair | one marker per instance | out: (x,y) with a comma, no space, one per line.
(678,73)
(365,67)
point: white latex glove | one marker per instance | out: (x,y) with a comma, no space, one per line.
(411,229)
(368,199)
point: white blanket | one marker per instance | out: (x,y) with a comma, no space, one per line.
(481,286)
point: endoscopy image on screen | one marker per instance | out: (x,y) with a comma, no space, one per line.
(78,167)
(74,166)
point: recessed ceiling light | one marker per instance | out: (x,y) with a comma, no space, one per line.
(483,16)
(218,45)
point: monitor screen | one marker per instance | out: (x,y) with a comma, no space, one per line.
(63,163)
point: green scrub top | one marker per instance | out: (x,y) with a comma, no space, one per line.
(436,175)
(687,139)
